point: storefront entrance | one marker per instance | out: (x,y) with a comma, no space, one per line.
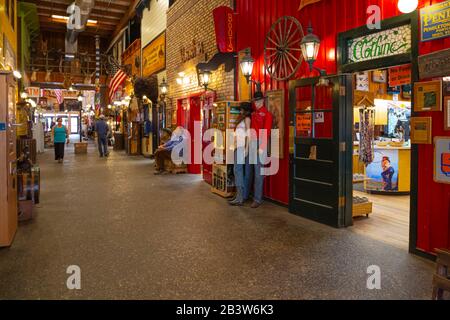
(320,167)
(330,182)
(188,112)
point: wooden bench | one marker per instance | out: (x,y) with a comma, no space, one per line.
(441,280)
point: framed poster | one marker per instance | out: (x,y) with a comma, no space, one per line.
(421,130)
(154,56)
(275,103)
(428,96)
(379,76)
(442,160)
(382,173)
(447,113)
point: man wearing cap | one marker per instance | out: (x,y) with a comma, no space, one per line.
(261,120)
(102,136)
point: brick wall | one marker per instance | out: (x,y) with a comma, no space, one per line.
(189,20)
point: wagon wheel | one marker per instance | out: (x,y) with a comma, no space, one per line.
(282,53)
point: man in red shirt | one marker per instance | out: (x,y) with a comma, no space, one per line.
(261,124)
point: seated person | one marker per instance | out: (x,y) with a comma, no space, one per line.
(164,151)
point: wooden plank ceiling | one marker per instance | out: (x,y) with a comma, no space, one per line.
(108,13)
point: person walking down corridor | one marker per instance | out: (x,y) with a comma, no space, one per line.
(60,136)
(102,129)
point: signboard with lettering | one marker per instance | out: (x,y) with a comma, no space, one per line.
(382,44)
(435,21)
(399,76)
(154,56)
(442,159)
(436,64)
(304,125)
(225,27)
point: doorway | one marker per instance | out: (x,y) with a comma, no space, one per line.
(188,112)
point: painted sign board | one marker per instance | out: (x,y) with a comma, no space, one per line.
(435,21)
(154,56)
(225,27)
(378,45)
(442,160)
(434,65)
(399,76)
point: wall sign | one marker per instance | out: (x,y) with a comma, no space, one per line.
(435,64)
(380,45)
(225,27)
(154,56)
(192,51)
(435,21)
(33,92)
(442,160)
(428,96)
(275,103)
(399,76)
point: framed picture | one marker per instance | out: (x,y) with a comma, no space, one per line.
(428,96)
(447,113)
(421,130)
(362,81)
(406,91)
(275,102)
(441,172)
(379,76)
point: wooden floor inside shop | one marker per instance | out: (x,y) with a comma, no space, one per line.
(389,221)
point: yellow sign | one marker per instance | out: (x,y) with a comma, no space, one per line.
(154,56)
(304,3)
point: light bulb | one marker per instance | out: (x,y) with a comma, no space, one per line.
(407,6)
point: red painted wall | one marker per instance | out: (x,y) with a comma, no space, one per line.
(330,17)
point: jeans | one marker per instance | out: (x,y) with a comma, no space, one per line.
(242,176)
(259,182)
(161,155)
(103,146)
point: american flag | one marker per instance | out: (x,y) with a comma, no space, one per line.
(59,96)
(118,78)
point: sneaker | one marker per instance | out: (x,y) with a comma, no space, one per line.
(236,204)
(158,172)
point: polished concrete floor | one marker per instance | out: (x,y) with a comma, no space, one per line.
(139,236)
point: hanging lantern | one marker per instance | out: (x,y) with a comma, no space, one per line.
(247,63)
(310,45)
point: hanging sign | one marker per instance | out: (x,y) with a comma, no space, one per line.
(382,44)
(399,76)
(33,92)
(154,56)
(434,65)
(225,27)
(304,3)
(435,21)
(442,160)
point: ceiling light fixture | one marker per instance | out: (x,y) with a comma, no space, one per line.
(64,19)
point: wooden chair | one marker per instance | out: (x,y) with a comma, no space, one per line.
(441,280)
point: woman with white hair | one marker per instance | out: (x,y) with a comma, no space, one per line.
(164,151)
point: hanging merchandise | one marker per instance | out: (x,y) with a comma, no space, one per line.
(367,132)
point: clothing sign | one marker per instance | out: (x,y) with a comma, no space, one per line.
(380,45)
(435,21)
(400,76)
(225,27)
(442,159)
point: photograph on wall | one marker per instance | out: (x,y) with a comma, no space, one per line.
(379,76)
(442,160)
(428,96)
(421,130)
(275,103)
(447,113)
(382,173)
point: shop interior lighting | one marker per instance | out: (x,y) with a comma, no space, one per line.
(407,6)
(17,74)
